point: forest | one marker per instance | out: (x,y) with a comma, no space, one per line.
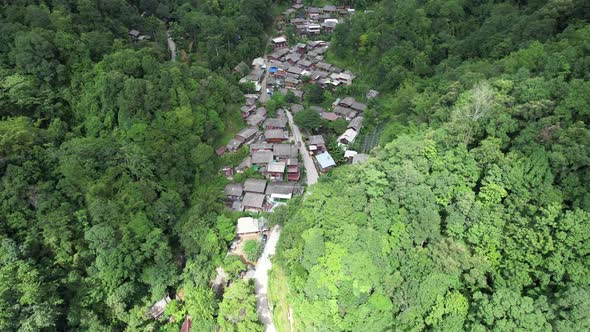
(109,188)
(474,211)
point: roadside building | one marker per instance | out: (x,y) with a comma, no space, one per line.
(325,162)
(284,151)
(280,192)
(293,169)
(248,225)
(276,170)
(316,144)
(291,82)
(275,123)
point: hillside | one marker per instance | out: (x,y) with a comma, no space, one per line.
(473,212)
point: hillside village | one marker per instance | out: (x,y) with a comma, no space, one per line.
(278,150)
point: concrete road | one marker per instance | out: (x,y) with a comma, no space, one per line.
(171,47)
(310,170)
(261,279)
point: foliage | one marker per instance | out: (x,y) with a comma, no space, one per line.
(252,249)
(237,311)
(308,119)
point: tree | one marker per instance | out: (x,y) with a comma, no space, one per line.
(308,119)
(237,311)
(252,249)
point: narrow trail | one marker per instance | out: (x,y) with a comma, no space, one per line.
(171,47)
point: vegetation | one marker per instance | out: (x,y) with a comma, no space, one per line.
(474,212)
(252,249)
(109,193)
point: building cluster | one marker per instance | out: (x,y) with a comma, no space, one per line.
(310,21)
(303,63)
(259,195)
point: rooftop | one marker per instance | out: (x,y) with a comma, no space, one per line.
(316,140)
(253,200)
(280,39)
(255,185)
(234,189)
(276,167)
(325,160)
(262,157)
(247,225)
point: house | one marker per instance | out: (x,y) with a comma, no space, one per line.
(255,120)
(276,170)
(325,161)
(255,186)
(275,135)
(159,307)
(293,58)
(305,64)
(291,82)
(347,102)
(227,171)
(220,151)
(260,146)
(284,151)
(316,144)
(275,123)
(356,123)
(297,20)
(330,116)
(133,33)
(329,9)
(344,111)
(372,94)
(262,157)
(253,202)
(248,225)
(234,191)
(298,94)
(241,68)
(234,144)
(293,170)
(296,108)
(279,42)
(295,70)
(323,66)
(300,47)
(348,137)
(330,24)
(278,54)
(250,101)
(280,192)
(349,154)
(247,110)
(245,164)
(301,29)
(314,29)
(359,158)
(247,134)
(360,107)
(258,63)
(313,11)
(345,78)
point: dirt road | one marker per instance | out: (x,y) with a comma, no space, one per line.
(261,279)
(310,170)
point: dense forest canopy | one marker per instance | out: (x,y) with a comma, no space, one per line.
(474,214)
(109,187)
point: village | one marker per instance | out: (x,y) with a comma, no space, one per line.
(283,160)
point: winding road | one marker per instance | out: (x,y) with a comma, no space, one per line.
(264,265)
